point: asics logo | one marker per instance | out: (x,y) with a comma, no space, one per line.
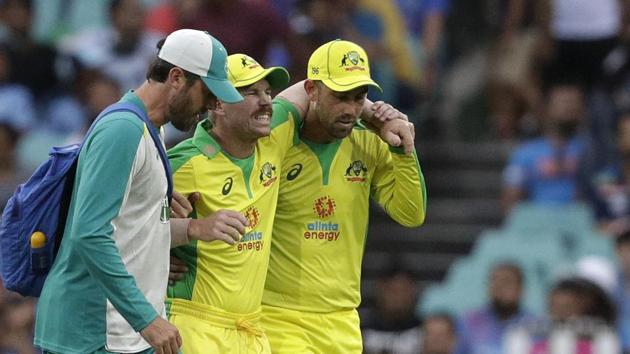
(294,172)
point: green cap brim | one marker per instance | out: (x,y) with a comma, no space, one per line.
(223,89)
(277,76)
(350,83)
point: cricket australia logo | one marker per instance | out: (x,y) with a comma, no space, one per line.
(267,174)
(324,207)
(248,62)
(253,216)
(352,61)
(356,171)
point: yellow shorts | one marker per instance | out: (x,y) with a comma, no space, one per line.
(292,332)
(206,329)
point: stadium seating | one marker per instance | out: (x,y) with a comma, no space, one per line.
(544,241)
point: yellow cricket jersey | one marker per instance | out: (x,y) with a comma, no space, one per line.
(322,218)
(230,278)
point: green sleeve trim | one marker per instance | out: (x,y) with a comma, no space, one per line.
(103,172)
(399,150)
(182,153)
(422,181)
(184,288)
(284,110)
(281,111)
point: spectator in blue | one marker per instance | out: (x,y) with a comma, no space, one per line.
(545,170)
(482,331)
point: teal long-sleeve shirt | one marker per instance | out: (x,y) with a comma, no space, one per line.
(105,284)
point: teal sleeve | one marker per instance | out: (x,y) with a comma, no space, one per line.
(399,186)
(105,167)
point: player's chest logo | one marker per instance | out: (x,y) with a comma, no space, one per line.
(253,216)
(324,207)
(253,239)
(267,174)
(356,172)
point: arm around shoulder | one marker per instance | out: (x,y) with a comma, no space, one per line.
(296,95)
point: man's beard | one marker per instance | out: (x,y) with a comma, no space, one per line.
(336,132)
(180,113)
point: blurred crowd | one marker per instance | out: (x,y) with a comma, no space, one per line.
(552,81)
(63,61)
(585,314)
(549,77)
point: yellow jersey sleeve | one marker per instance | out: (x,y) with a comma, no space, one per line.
(398,186)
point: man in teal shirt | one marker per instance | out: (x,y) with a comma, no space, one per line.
(106,289)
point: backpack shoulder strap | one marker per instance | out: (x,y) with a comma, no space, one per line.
(130,107)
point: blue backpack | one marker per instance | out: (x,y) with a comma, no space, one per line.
(34,218)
